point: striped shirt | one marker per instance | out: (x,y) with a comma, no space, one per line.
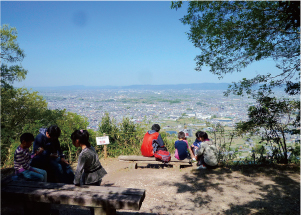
(21,159)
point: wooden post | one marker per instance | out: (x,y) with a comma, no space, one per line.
(105,148)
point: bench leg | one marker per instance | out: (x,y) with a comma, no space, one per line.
(133,165)
(176,166)
(103,211)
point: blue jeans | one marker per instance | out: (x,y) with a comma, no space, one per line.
(62,171)
(34,176)
(58,171)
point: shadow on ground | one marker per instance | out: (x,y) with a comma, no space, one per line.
(281,196)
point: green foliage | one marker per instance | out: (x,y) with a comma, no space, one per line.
(274,116)
(10,53)
(233,34)
(260,151)
(176,101)
(23,110)
(126,137)
(68,123)
(19,107)
(295,154)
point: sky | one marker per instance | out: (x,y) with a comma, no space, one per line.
(101,43)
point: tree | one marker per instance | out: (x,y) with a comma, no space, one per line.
(273,117)
(68,123)
(10,53)
(233,34)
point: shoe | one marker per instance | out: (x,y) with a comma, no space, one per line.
(202,167)
(193,160)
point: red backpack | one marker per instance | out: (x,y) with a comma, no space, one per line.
(162,155)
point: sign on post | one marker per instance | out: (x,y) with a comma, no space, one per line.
(102,140)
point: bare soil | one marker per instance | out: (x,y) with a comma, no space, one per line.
(236,190)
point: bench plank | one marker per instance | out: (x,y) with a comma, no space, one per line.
(88,199)
(142,158)
(89,196)
(84,188)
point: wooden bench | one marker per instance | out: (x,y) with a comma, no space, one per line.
(38,196)
(135,160)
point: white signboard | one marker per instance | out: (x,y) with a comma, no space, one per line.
(102,140)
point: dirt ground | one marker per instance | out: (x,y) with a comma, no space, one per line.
(248,190)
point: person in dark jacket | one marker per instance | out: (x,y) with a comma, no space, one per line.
(152,141)
(51,157)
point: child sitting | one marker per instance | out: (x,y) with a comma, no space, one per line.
(88,167)
(207,153)
(22,159)
(196,144)
(182,147)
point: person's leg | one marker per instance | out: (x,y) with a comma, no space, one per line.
(68,173)
(43,172)
(32,176)
(56,169)
(39,162)
(201,163)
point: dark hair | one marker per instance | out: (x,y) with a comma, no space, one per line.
(82,136)
(26,137)
(54,131)
(203,134)
(156,127)
(197,134)
(181,135)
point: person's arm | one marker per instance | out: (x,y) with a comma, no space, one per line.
(79,169)
(200,150)
(38,143)
(60,152)
(160,141)
(190,151)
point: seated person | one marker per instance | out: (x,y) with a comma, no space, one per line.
(152,141)
(89,171)
(22,159)
(51,157)
(207,153)
(182,148)
(196,144)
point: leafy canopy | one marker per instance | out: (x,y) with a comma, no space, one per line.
(233,34)
(11,54)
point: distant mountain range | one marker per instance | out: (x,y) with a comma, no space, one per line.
(202,86)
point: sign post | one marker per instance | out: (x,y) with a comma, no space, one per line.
(104,140)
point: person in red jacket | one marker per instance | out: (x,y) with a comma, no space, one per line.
(152,141)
